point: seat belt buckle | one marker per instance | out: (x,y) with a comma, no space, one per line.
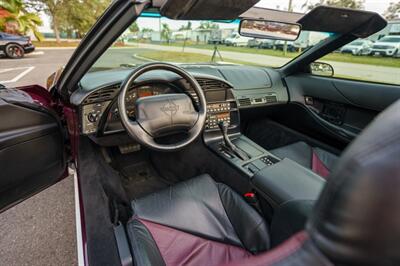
(251,199)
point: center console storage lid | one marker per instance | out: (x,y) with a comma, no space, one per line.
(286,181)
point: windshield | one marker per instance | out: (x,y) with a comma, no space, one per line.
(390,39)
(154,38)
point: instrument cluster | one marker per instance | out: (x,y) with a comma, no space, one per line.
(144,91)
(92,113)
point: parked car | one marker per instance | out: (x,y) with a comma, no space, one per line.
(291,47)
(15,46)
(387,46)
(252,43)
(237,40)
(266,44)
(358,47)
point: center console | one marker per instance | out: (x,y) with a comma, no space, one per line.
(256,159)
(277,180)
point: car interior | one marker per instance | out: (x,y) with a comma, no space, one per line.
(208,164)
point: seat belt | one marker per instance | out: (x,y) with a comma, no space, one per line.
(120,236)
(123,245)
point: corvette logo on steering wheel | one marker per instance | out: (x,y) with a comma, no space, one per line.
(170,108)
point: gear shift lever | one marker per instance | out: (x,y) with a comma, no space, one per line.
(223,126)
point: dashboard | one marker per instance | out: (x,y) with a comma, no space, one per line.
(228,89)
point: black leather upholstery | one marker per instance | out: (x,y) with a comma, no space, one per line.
(357,219)
(247,223)
(302,153)
(200,207)
(144,247)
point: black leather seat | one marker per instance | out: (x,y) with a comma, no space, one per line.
(356,220)
(196,222)
(314,158)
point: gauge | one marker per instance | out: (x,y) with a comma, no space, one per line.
(144,91)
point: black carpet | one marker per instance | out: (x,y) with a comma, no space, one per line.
(140,179)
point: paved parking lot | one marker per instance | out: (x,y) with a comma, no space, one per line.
(33,68)
(40,230)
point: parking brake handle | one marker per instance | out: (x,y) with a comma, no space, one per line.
(223,126)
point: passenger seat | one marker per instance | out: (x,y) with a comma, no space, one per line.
(318,160)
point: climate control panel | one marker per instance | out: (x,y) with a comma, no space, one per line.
(218,112)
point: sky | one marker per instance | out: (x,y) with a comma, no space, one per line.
(372,5)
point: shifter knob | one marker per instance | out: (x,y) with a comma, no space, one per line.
(223,126)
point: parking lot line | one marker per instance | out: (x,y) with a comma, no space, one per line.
(37,53)
(19,76)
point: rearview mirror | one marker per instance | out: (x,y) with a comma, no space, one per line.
(321,69)
(265,29)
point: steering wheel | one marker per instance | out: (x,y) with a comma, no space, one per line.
(163,115)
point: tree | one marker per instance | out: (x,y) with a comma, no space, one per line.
(18,13)
(393,11)
(147,30)
(207,25)
(70,15)
(188,26)
(134,27)
(355,4)
(55,9)
(81,15)
(165,32)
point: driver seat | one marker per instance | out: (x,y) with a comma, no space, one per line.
(196,222)
(354,222)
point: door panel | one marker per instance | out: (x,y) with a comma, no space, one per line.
(342,107)
(31,147)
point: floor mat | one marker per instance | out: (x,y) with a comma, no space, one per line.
(141,179)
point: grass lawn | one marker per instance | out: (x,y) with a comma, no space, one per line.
(178,57)
(347,58)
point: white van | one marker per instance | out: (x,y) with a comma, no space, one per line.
(237,40)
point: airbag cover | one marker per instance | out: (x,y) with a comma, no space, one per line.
(162,114)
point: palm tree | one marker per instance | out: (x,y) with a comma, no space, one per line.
(208,25)
(165,32)
(17,13)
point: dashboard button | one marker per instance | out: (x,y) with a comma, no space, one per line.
(92,117)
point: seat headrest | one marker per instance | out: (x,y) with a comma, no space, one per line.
(356,220)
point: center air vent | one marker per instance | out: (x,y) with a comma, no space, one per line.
(210,84)
(102,95)
(244,102)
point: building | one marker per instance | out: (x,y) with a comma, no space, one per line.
(200,35)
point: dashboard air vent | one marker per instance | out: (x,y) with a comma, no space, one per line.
(244,102)
(102,95)
(210,84)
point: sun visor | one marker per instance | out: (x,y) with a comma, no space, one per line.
(272,15)
(342,20)
(205,9)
